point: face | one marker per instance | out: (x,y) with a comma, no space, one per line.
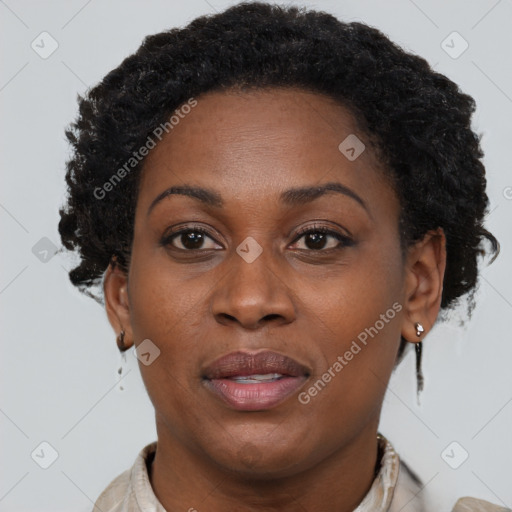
(283,254)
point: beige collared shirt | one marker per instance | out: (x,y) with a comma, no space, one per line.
(395,489)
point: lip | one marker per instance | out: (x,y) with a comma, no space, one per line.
(220,378)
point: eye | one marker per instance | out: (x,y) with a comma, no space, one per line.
(190,239)
(322,238)
(315,238)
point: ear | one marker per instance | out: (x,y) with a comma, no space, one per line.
(115,291)
(425,267)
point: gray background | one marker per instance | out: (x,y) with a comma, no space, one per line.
(59,361)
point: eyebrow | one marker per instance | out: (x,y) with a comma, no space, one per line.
(290,197)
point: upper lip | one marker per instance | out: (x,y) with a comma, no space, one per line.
(242,363)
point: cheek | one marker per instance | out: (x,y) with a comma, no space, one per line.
(352,297)
(162,312)
(359,317)
(162,304)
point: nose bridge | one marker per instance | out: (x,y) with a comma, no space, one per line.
(252,290)
(253,266)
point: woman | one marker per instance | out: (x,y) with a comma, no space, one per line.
(276,204)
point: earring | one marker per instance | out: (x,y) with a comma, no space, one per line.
(122,348)
(418,347)
(120,342)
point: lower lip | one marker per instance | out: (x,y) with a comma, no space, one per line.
(255,397)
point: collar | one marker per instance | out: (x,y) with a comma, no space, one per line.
(378,498)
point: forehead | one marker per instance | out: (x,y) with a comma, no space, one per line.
(254,144)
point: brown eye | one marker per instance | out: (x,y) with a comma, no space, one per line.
(191,239)
(321,238)
(317,240)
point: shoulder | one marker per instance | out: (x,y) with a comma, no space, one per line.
(474,505)
(115,494)
(410,488)
(131,489)
(410,493)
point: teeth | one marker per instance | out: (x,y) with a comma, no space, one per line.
(255,379)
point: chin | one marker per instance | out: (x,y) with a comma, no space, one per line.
(262,461)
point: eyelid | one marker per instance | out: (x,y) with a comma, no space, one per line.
(344,240)
(320,226)
(175,231)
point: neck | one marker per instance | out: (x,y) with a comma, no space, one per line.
(182,480)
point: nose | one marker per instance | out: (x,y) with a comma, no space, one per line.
(253,295)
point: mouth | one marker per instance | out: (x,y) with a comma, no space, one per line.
(254,381)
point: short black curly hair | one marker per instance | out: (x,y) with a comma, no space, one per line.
(419,122)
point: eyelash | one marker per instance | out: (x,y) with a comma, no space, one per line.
(345,241)
(167,240)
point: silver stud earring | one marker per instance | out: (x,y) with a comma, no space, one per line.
(419,329)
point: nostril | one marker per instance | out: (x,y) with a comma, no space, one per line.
(227,317)
(271,316)
(248,323)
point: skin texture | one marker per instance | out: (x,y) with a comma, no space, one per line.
(306,303)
